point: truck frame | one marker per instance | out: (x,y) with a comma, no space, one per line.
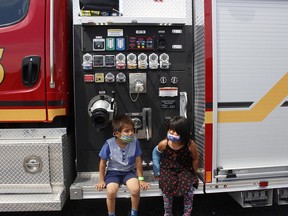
(222,64)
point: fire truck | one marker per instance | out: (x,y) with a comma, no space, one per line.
(67,67)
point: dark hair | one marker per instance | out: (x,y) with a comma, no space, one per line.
(181,125)
(119,121)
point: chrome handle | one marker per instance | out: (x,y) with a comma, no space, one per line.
(52,81)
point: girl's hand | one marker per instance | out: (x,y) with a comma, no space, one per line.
(144,185)
(100,186)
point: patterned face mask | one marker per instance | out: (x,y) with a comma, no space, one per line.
(127,139)
(173,138)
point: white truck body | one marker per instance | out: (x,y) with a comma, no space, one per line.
(246,74)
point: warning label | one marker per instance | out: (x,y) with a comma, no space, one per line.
(168,104)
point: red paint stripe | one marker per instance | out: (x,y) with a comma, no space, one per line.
(209,109)
(208,82)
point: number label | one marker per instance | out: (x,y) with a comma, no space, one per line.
(2,72)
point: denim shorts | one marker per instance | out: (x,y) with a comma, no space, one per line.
(119,177)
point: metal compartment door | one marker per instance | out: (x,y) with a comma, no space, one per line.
(24,168)
(250,39)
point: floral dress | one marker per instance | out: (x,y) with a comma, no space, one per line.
(176,171)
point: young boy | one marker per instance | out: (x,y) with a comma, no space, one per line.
(123,154)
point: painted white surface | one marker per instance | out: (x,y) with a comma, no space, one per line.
(251,43)
(143,11)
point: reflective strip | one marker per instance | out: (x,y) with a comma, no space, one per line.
(22,115)
(260,111)
(30,115)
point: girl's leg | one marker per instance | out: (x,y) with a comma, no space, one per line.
(168,204)
(188,202)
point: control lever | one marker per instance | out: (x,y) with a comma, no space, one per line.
(142,123)
(148,120)
(139,86)
(137,124)
(147,134)
(183,104)
(144,164)
(112,100)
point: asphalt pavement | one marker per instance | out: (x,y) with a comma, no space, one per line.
(204,205)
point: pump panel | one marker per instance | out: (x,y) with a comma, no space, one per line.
(142,71)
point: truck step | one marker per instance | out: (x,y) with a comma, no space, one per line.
(84,187)
(34,202)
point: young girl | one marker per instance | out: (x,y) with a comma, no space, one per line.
(178,166)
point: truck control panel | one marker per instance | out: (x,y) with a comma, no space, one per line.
(143,71)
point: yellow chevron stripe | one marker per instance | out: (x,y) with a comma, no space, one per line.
(208,117)
(260,111)
(14,115)
(52,113)
(30,115)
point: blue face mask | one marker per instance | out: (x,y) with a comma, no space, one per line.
(173,138)
(127,139)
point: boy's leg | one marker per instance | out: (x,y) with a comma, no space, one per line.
(188,202)
(133,186)
(168,204)
(112,189)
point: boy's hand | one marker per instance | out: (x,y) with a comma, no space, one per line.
(100,186)
(144,185)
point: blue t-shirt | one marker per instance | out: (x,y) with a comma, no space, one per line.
(120,159)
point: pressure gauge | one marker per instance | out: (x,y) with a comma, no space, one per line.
(164,61)
(87,61)
(142,61)
(110,78)
(131,61)
(120,61)
(120,77)
(153,61)
(163,80)
(174,80)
